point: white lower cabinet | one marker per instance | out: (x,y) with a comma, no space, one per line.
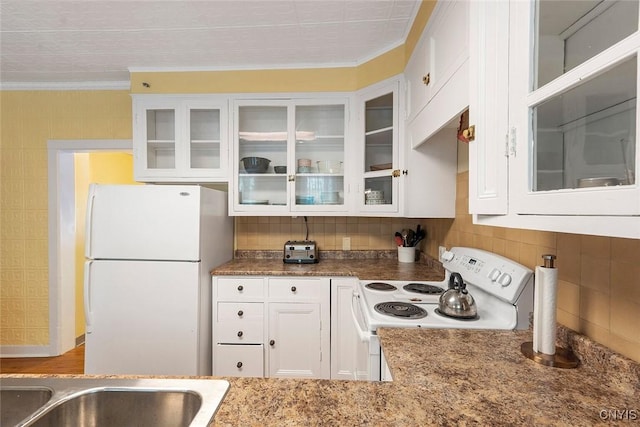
(273,327)
(295,341)
(344,337)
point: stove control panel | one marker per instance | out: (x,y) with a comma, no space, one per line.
(490,272)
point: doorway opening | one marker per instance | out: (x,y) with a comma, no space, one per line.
(62,235)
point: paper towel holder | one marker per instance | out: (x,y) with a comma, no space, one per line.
(562,358)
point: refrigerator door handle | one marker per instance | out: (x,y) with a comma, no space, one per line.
(89,221)
(87,295)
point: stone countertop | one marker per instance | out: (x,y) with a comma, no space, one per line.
(447,377)
(443,377)
(364,269)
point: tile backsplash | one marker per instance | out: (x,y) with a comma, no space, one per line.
(599,277)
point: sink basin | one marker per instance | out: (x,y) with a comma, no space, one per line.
(120,408)
(112,402)
(18,403)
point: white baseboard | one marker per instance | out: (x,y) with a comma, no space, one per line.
(26,351)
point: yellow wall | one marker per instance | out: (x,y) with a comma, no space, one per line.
(99,168)
(28,119)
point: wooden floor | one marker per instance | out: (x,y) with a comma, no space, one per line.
(72,362)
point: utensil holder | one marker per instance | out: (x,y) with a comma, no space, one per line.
(406,254)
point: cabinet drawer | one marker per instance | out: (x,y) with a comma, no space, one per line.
(239,288)
(238,360)
(298,289)
(239,323)
(239,311)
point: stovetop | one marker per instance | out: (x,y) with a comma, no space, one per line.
(492,313)
(501,288)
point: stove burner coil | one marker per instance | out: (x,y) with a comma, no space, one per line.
(463,318)
(380,286)
(423,288)
(400,309)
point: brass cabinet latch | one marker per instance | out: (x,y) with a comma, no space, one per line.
(426,79)
(395,173)
(292,178)
(469,133)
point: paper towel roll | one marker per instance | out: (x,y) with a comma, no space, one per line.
(544,310)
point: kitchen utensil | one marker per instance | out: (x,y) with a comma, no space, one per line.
(457,301)
(398,239)
(405,237)
(255,164)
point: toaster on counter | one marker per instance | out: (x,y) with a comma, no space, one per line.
(300,252)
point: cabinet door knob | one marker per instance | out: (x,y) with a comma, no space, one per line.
(239,365)
(293,289)
(426,79)
(239,333)
(240,313)
(272,343)
(240,288)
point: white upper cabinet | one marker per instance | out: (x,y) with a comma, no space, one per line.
(437,73)
(396,177)
(289,156)
(377,171)
(180,139)
(564,156)
(489,107)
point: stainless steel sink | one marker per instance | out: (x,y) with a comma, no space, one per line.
(111,402)
(19,403)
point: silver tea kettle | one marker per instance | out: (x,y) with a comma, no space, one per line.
(457,301)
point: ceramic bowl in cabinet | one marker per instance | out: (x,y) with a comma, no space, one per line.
(255,164)
(329,166)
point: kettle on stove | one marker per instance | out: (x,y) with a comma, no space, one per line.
(456,301)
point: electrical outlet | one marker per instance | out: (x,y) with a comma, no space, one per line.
(441,250)
(346,243)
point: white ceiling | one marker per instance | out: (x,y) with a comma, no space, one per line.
(85,41)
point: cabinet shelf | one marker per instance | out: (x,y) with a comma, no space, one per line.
(206,141)
(160,142)
(377,131)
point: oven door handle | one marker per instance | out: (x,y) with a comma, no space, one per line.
(362,334)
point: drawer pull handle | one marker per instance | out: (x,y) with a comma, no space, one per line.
(240,288)
(239,365)
(272,343)
(293,289)
(240,313)
(239,334)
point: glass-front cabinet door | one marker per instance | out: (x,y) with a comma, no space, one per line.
(576,107)
(180,139)
(290,156)
(319,155)
(378,171)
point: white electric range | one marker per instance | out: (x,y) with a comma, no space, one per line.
(501,288)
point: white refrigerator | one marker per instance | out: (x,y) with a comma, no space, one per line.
(147,285)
